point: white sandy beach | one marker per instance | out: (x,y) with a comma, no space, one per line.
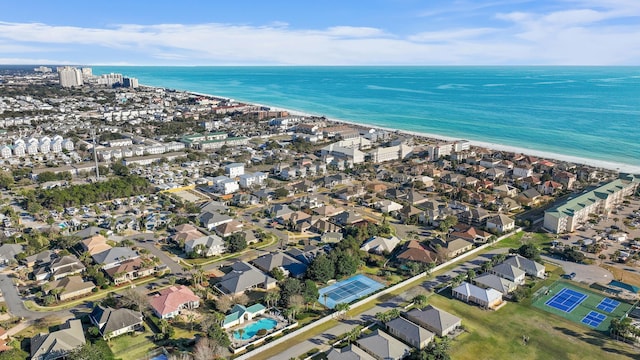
(620,167)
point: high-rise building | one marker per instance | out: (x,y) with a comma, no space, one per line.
(70,76)
(87,73)
(110,79)
(130,82)
(43,69)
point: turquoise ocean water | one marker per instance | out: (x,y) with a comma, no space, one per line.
(589,112)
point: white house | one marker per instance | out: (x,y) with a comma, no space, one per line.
(501,223)
(207,245)
(248,180)
(234,170)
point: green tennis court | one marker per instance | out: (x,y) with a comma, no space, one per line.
(590,311)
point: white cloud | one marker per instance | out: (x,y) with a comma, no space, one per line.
(594,32)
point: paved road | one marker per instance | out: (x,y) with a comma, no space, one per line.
(584,273)
(142,240)
(16,306)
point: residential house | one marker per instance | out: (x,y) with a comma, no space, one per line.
(387,206)
(242,277)
(40,259)
(565,178)
(322,226)
(57,344)
(113,322)
(529,266)
(307,254)
(168,303)
(327,211)
(347,218)
(505,190)
(280,210)
(212,219)
(130,270)
(488,298)
(469,233)
(209,245)
(475,217)
(349,352)
(492,281)
(65,266)
(95,244)
(234,170)
(383,346)
(501,223)
(249,180)
(185,232)
(414,251)
(549,187)
(450,248)
(529,197)
(411,333)
(331,237)
(229,228)
(114,256)
(380,245)
(239,314)
(287,263)
(71,287)
(435,320)
(509,272)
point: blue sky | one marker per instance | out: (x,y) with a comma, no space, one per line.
(328,32)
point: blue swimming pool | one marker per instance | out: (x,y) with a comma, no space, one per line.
(252,329)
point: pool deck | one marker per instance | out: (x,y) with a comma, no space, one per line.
(281,323)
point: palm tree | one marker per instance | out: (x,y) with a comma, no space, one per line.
(342,309)
(192,319)
(420,300)
(240,333)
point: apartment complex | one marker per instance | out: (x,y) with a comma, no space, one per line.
(570,214)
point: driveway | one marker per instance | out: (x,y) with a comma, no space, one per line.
(142,240)
(584,273)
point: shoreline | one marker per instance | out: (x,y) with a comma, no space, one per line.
(602,164)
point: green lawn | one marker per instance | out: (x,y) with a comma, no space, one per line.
(498,335)
(131,347)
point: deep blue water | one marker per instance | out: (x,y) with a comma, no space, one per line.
(590,112)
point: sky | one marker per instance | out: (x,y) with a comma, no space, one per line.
(328,32)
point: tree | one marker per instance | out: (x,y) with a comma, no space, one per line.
(224,303)
(530,251)
(14,354)
(471,274)
(91,351)
(310,292)
(288,288)
(447,223)
(277,273)
(342,309)
(134,300)
(280,193)
(321,269)
(236,242)
(207,349)
(272,298)
(420,300)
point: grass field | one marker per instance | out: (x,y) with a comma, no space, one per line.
(495,335)
(589,304)
(131,347)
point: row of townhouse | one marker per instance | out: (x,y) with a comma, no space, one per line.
(33,146)
(128,152)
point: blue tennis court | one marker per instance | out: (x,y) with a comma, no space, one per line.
(566,300)
(594,318)
(608,305)
(348,290)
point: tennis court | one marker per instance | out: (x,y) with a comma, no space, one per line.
(581,305)
(566,300)
(348,290)
(608,305)
(594,319)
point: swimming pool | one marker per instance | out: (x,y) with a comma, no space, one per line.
(252,329)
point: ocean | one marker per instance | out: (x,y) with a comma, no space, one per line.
(587,112)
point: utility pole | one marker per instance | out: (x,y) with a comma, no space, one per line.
(95,154)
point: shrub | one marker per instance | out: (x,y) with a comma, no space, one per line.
(262,332)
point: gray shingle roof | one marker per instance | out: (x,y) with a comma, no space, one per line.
(109,320)
(435,319)
(384,346)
